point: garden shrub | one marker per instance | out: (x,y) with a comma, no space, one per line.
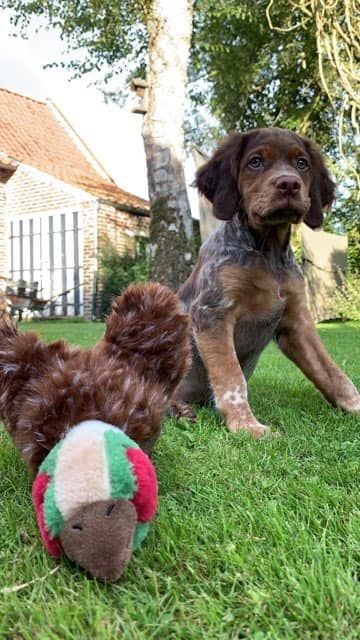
(346,303)
(354,249)
(119,270)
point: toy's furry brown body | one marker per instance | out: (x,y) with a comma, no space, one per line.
(126,380)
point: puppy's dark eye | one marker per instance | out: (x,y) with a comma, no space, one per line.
(256,162)
(302,164)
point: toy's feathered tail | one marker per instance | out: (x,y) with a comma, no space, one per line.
(148,329)
(23,358)
(126,380)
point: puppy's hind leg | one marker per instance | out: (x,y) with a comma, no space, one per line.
(194,389)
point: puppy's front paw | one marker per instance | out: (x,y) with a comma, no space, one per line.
(255,428)
(348,399)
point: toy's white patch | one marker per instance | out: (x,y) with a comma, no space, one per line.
(81,472)
(90,426)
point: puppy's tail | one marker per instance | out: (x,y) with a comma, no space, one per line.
(149,330)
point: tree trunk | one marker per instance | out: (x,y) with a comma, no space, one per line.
(169,29)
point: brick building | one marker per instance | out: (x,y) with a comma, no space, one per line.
(57,204)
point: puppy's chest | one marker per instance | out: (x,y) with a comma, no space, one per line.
(256,323)
(255,295)
(251,335)
(256,300)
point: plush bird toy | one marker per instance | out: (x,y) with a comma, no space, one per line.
(84,420)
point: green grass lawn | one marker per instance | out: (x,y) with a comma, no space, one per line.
(253,539)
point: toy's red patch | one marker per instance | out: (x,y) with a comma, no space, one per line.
(145,499)
(39,487)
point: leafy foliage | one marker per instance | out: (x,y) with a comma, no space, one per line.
(254,63)
(346,303)
(346,219)
(258,77)
(354,250)
(112,34)
(118,271)
(245,73)
(257,63)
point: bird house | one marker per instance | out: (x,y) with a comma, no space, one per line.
(140,87)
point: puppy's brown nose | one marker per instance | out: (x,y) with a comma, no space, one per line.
(287,185)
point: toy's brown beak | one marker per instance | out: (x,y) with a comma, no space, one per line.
(99,537)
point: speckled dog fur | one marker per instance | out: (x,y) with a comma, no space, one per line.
(246,288)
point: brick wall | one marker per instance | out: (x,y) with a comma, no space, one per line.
(103,222)
(30,192)
(121,228)
(90,257)
(3,258)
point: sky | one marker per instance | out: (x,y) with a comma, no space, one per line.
(112,132)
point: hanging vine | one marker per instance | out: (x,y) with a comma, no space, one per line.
(337,27)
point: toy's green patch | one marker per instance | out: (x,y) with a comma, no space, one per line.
(53,519)
(122,480)
(141,531)
(48,465)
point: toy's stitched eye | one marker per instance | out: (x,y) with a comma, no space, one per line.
(302,164)
(256,162)
(109,509)
(78,527)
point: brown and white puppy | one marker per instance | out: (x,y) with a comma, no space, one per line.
(246,287)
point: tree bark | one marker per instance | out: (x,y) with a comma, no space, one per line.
(169,28)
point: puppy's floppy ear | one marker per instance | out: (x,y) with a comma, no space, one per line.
(217,179)
(322,188)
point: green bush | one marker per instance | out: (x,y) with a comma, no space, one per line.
(296,244)
(118,271)
(345,218)
(346,304)
(354,249)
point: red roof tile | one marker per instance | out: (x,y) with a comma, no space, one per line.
(33,133)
